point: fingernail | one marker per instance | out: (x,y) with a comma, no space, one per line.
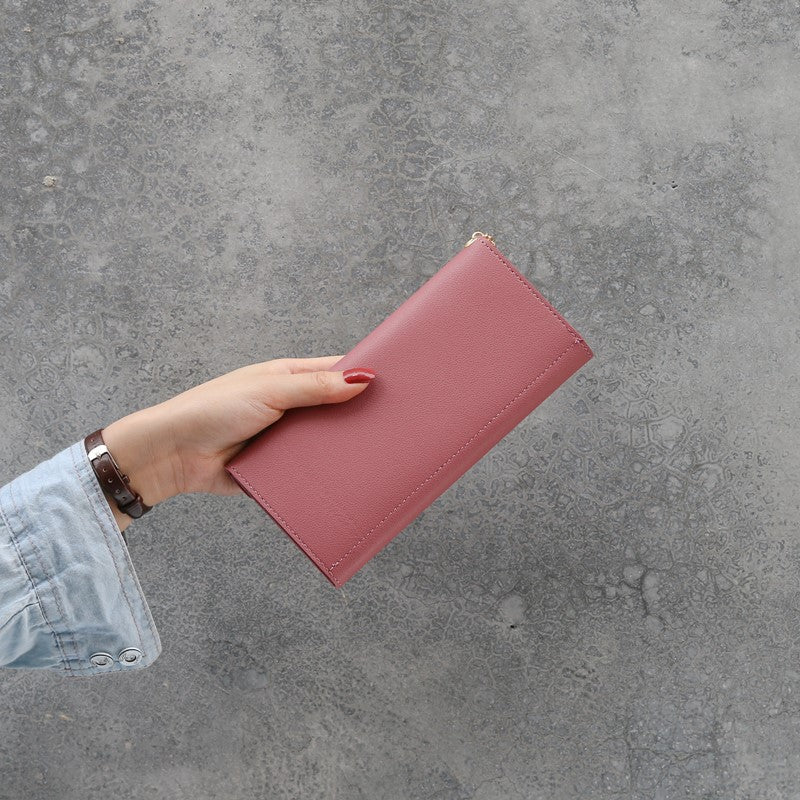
(358,375)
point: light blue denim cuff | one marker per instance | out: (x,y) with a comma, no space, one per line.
(69,596)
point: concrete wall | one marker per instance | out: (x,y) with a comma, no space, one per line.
(606,606)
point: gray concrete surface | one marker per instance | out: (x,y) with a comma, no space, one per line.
(606,606)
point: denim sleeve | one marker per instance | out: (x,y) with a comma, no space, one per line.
(69,596)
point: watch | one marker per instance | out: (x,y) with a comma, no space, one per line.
(111,478)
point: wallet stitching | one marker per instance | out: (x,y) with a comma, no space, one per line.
(535,293)
(444,464)
(578,340)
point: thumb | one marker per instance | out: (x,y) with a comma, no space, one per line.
(312,388)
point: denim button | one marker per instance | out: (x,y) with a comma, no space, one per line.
(131,655)
(101,660)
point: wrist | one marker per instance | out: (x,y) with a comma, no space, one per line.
(141,445)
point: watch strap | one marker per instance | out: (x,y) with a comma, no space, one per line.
(111,478)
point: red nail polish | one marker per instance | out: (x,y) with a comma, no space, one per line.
(358,375)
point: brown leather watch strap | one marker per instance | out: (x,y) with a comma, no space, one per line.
(111,478)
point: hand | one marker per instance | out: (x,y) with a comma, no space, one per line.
(182,444)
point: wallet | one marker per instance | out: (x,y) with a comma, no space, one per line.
(458,365)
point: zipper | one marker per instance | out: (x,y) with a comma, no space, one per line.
(478,234)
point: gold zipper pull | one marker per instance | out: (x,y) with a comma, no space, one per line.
(476,234)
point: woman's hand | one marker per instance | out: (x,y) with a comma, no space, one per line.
(181,445)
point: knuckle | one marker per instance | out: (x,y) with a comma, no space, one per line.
(324,380)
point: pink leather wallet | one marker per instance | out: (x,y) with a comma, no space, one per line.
(458,365)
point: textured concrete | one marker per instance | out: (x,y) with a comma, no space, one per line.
(606,606)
